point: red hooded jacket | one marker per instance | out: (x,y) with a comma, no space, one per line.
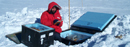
(47,18)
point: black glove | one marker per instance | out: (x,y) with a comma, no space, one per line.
(56,22)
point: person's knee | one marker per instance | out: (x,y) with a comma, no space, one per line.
(57,36)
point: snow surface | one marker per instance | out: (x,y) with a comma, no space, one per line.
(15,13)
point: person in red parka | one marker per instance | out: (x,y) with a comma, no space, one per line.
(52,18)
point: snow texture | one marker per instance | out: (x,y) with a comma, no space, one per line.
(15,13)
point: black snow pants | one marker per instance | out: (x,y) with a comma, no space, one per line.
(57,36)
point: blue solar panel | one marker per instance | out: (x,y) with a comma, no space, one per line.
(94,20)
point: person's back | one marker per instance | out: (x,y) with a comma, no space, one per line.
(52,18)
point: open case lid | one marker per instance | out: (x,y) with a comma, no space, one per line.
(94,20)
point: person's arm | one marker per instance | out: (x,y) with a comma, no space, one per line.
(45,20)
(57,28)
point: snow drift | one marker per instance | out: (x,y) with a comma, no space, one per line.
(11,22)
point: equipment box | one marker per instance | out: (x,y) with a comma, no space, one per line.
(37,35)
(71,37)
(87,25)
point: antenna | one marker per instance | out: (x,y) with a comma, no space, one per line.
(69,12)
(82,3)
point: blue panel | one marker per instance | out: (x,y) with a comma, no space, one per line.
(39,26)
(94,20)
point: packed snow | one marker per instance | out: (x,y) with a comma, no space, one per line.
(15,13)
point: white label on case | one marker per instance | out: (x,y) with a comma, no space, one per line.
(29,37)
(43,36)
(50,34)
(42,41)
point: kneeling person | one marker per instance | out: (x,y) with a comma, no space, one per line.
(52,18)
